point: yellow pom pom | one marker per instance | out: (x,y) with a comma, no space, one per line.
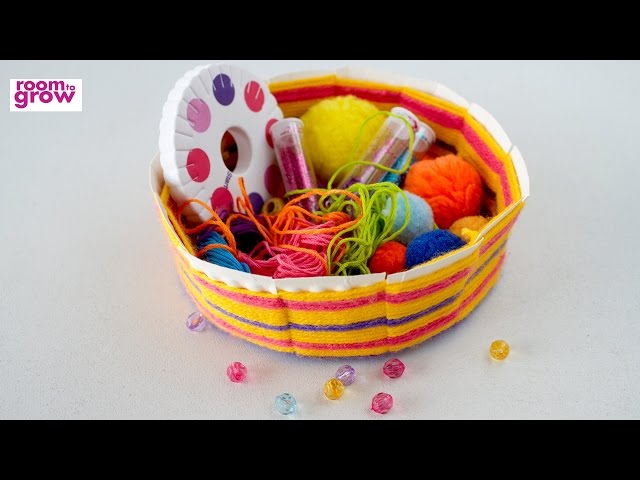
(330,130)
(471,223)
(468,235)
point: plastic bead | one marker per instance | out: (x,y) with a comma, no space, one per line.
(499,350)
(286,404)
(382,403)
(333,389)
(196,322)
(236,372)
(346,374)
(393,368)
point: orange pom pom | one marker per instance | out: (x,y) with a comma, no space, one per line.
(451,186)
(388,258)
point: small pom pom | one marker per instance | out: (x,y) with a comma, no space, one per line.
(420,217)
(476,223)
(388,258)
(451,186)
(430,245)
(330,130)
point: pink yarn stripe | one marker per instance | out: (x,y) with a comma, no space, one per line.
(335,305)
(263,302)
(489,158)
(305,93)
(435,114)
(502,233)
(428,290)
(412,335)
(273,303)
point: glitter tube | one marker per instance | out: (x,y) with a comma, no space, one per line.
(424,138)
(297,171)
(391,140)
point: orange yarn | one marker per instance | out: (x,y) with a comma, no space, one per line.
(388,258)
(277,229)
(451,186)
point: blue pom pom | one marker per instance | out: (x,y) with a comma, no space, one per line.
(420,221)
(431,245)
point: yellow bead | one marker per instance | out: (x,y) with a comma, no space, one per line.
(333,389)
(499,350)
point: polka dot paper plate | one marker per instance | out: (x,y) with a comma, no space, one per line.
(214,129)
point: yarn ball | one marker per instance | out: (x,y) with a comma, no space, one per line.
(420,214)
(451,186)
(330,130)
(431,245)
(472,223)
(388,258)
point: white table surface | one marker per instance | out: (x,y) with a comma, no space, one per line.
(92,312)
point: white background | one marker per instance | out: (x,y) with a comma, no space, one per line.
(92,312)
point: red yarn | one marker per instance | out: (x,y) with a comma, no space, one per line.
(451,187)
(388,258)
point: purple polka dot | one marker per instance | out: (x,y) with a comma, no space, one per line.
(198,165)
(223,89)
(254,96)
(273,181)
(221,199)
(256,201)
(199,115)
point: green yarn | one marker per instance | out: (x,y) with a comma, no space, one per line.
(361,240)
(374,228)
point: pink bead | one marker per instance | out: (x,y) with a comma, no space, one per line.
(393,368)
(382,403)
(236,372)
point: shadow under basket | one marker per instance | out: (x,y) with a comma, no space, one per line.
(366,314)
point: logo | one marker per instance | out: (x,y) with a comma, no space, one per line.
(45,95)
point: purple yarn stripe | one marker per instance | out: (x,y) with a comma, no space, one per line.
(352,326)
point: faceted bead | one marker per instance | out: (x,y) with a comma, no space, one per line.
(346,374)
(286,404)
(196,322)
(382,403)
(333,389)
(499,350)
(236,372)
(393,368)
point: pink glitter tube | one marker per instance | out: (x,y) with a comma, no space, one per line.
(297,171)
(391,140)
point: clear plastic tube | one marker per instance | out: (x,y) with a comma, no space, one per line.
(297,171)
(391,140)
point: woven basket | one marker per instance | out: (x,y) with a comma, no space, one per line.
(365,314)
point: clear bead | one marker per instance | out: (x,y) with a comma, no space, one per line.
(382,403)
(333,389)
(393,368)
(236,372)
(346,374)
(196,322)
(499,350)
(286,404)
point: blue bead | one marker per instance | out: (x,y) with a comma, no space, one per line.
(286,404)
(346,374)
